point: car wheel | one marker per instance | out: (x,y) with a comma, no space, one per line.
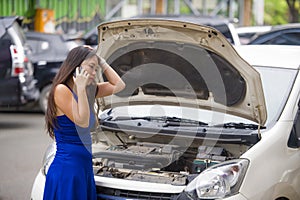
(43,101)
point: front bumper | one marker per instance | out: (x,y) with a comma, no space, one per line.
(118,189)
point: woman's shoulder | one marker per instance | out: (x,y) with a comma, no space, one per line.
(61,86)
(62,97)
(62,90)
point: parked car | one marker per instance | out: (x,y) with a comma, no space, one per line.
(246,33)
(196,120)
(48,53)
(17,83)
(91,38)
(287,34)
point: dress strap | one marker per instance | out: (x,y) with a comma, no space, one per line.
(74,94)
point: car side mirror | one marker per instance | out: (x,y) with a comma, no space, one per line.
(294,139)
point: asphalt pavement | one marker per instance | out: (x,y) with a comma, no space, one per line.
(23,141)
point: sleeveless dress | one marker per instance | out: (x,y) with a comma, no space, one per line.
(70,176)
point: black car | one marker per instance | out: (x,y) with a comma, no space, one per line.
(17,83)
(48,51)
(288,34)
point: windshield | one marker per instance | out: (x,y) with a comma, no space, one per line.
(277,85)
(205,116)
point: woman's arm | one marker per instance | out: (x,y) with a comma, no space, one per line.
(77,111)
(113,85)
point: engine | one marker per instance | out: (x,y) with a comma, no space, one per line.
(155,162)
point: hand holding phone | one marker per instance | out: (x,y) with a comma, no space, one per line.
(79,70)
(81,77)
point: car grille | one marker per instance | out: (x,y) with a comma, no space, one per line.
(109,193)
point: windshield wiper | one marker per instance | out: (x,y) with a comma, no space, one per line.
(167,121)
(175,121)
(240,126)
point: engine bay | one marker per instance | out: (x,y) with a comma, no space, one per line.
(158,162)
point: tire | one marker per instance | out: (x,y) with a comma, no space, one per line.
(43,101)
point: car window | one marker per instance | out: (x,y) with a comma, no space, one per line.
(287,39)
(275,100)
(294,139)
(34,45)
(38,46)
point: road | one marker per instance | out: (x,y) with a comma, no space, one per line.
(23,141)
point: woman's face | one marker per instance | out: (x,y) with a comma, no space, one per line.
(91,65)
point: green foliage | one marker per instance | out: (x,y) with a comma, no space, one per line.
(277,12)
(184,9)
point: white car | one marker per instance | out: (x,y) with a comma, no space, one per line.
(196,120)
(246,33)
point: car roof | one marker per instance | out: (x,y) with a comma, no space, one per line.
(252,29)
(198,19)
(283,56)
(286,26)
(261,38)
(6,22)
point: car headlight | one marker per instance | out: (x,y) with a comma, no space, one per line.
(48,157)
(219,181)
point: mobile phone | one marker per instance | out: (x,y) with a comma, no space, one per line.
(74,73)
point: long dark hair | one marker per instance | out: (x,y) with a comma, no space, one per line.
(74,59)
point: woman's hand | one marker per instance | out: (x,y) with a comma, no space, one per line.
(81,79)
(81,108)
(113,85)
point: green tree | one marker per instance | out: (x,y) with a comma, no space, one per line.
(276,12)
(293,6)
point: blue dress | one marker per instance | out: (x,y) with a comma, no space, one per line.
(70,176)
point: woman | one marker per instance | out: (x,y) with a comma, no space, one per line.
(70,117)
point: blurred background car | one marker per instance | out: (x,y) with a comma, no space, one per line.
(17,83)
(48,51)
(90,37)
(245,33)
(287,34)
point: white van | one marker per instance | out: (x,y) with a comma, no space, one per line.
(196,120)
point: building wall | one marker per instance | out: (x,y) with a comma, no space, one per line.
(70,16)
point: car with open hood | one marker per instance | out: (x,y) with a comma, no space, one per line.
(196,120)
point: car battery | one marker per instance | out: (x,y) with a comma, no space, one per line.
(207,157)
(200,165)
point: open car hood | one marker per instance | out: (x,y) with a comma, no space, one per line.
(170,62)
